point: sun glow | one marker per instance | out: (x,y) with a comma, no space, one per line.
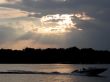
(61,23)
(48,24)
(57,23)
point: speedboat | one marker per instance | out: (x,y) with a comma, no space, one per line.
(89,71)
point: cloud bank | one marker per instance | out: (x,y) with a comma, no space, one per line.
(54,23)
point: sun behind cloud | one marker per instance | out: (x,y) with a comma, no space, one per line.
(61,23)
(48,24)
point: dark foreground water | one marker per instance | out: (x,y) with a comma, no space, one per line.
(63,68)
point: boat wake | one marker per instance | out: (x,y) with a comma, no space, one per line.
(80,72)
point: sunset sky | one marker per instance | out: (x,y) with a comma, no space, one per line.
(55,24)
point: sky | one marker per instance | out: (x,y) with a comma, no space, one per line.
(55,24)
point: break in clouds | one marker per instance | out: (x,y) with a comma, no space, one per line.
(54,23)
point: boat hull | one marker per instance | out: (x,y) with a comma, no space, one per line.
(90,72)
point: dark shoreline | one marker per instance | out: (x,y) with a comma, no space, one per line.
(71,55)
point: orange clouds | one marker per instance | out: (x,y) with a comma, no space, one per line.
(9,1)
(11,13)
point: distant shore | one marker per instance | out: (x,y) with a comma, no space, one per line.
(71,55)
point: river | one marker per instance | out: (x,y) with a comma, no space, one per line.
(62,68)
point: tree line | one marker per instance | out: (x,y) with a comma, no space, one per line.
(71,55)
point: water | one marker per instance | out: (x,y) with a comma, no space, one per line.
(63,68)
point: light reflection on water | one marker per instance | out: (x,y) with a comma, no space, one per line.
(50,78)
(39,67)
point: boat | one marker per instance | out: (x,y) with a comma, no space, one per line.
(91,71)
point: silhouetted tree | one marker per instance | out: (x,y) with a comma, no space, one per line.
(53,55)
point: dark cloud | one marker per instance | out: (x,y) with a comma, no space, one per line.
(94,35)
(98,9)
(69,4)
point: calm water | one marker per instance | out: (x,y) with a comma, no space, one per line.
(64,68)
